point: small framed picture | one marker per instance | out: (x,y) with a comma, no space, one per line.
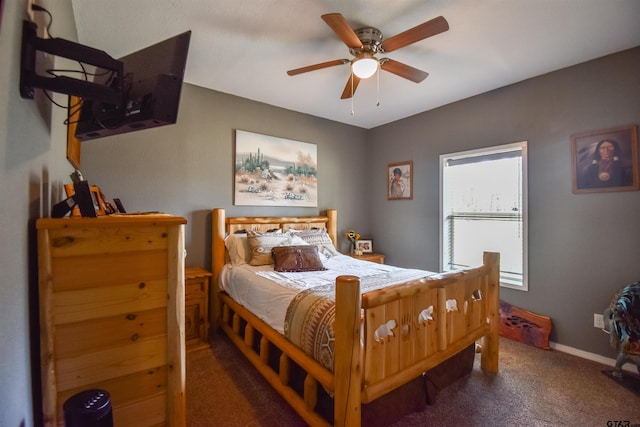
(96,198)
(365,245)
(605,160)
(400,181)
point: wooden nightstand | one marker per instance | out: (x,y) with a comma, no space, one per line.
(379,258)
(196,308)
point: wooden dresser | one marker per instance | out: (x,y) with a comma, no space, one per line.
(112,315)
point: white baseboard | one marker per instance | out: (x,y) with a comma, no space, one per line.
(590,356)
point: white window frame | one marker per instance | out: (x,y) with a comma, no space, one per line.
(516,146)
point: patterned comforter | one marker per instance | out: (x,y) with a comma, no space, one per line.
(311,314)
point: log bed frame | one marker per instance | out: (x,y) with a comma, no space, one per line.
(364,369)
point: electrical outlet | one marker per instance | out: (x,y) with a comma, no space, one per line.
(598,321)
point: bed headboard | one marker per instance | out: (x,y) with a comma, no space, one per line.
(222,226)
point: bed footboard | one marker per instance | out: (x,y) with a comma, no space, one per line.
(410,328)
(383,339)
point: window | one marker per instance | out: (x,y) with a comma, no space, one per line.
(483,207)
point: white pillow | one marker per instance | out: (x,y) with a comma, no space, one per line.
(238,248)
(318,237)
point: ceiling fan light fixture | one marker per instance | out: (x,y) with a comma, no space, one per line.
(365,66)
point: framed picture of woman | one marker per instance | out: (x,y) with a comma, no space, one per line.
(400,181)
(605,160)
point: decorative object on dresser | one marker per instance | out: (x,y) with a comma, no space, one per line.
(353,237)
(111,294)
(196,307)
(389,336)
(96,198)
(365,246)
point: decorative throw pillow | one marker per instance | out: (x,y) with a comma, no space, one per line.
(296,258)
(317,237)
(260,245)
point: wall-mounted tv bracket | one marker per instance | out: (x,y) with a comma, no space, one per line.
(30,79)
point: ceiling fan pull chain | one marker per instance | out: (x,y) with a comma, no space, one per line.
(353,113)
(378,87)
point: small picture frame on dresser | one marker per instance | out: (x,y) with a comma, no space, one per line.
(365,246)
(96,199)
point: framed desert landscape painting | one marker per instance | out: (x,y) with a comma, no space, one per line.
(272,171)
(605,160)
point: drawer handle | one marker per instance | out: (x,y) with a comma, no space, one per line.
(131,317)
(141,285)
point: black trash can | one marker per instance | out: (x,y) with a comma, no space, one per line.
(89,408)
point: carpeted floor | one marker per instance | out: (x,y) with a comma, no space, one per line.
(631,381)
(533,388)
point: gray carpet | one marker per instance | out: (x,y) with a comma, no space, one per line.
(533,388)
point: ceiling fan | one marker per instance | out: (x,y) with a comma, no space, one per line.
(364,43)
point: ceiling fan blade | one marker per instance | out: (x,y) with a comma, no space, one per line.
(426,29)
(317,66)
(403,70)
(341,27)
(348,92)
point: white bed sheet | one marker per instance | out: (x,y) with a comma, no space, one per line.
(267,293)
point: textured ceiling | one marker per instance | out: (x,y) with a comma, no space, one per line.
(245,47)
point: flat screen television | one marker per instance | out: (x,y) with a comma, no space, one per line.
(151,89)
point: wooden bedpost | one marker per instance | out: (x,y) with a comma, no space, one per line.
(218,231)
(491,341)
(332,226)
(347,368)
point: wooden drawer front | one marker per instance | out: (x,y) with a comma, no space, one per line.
(73,241)
(93,367)
(145,413)
(196,287)
(126,390)
(92,335)
(379,258)
(85,304)
(193,321)
(196,307)
(70,273)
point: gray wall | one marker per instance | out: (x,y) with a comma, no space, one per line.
(582,247)
(187,169)
(33,167)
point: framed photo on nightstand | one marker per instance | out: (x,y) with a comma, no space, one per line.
(365,245)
